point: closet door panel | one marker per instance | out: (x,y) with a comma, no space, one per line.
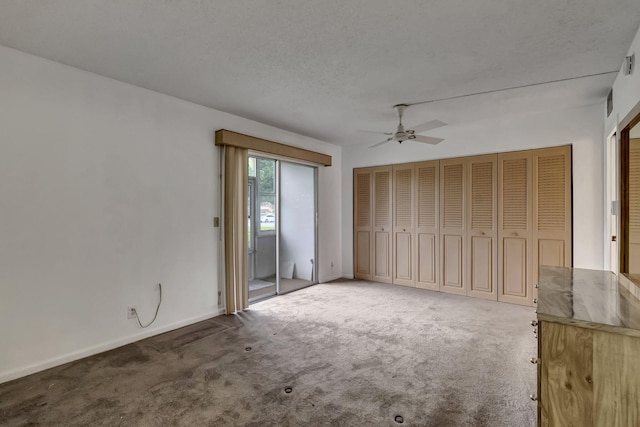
(452,225)
(382,256)
(551,252)
(403,251)
(481,277)
(363,255)
(427,224)
(382,223)
(452,269)
(515,271)
(403,225)
(552,208)
(427,261)
(363,222)
(514,227)
(482,226)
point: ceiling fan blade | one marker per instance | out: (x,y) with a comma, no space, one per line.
(375,131)
(380,143)
(427,139)
(433,124)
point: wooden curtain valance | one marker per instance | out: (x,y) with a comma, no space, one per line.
(227,137)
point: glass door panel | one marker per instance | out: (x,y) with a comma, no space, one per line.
(297,226)
(262,283)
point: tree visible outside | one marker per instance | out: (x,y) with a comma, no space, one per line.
(264,171)
(266,176)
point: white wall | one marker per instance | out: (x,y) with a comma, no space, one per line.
(297,218)
(626,92)
(107,189)
(581,127)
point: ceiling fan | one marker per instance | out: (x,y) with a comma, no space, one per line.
(401,134)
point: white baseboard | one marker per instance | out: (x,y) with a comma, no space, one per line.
(330,278)
(348,276)
(90,351)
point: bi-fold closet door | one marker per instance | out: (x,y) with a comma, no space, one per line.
(415,225)
(362,223)
(468,226)
(427,215)
(515,227)
(404,239)
(373,229)
(453,227)
(478,226)
(482,227)
(534,218)
(436,219)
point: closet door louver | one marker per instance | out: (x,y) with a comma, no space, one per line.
(382,224)
(363,222)
(634,207)
(427,219)
(514,227)
(403,225)
(452,226)
(482,227)
(552,212)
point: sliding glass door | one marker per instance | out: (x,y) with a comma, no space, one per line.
(297,232)
(282,227)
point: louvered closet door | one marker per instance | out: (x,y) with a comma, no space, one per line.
(482,225)
(363,222)
(403,225)
(633,257)
(514,227)
(552,208)
(452,226)
(427,213)
(382,224)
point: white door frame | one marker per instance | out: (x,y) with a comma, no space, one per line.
(254,223)
(612,196)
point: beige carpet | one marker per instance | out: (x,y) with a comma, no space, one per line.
(344,354)
(260,289)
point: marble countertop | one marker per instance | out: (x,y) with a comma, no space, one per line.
(589,298)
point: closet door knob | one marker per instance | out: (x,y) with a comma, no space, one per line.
(533,360)
(533,397)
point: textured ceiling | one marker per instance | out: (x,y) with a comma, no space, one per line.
(328,68)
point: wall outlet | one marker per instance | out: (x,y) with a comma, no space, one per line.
(131,313)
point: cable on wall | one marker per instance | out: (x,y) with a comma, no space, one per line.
(155,315)
(514,87)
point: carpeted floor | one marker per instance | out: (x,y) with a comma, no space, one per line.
(347,353)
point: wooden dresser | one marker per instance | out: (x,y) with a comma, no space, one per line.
(588,327)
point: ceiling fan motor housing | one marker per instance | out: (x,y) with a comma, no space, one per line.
(401,134)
